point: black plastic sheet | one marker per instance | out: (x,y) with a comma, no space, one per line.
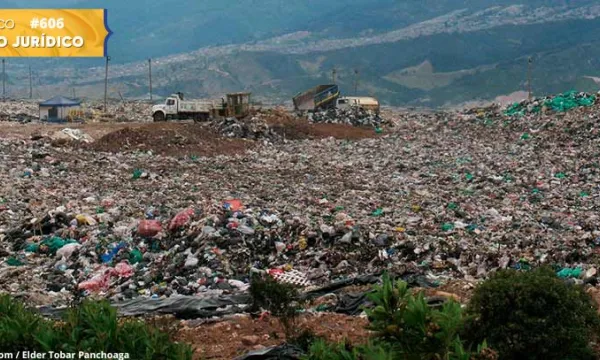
(182,307)
(281,352)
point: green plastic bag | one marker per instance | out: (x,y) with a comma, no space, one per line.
(32,248)
(135,256)
(137,173)
(55,243)
(377,212)
(14,262)
(447,227)
(570,273)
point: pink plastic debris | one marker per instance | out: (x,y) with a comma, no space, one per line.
(149,228)
(123,269)
(108,202)
(275,271)
(182,218)
(99,282)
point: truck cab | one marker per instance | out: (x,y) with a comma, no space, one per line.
(162,112)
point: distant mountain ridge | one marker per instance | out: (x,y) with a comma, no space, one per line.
(471,49)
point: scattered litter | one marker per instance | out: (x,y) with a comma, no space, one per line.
(439,195)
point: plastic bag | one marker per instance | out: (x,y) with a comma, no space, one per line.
(54,243)
(233,205)
(149,228)
(181,219)
(99,282)
(123,269)
(67,250)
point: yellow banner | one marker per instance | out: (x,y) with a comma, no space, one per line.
(53,32)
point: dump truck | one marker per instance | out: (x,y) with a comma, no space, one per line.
(319,97)
(176,107)
(362,102)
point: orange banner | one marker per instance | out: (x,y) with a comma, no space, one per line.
(53,32)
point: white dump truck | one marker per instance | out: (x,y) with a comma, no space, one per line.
(176,108)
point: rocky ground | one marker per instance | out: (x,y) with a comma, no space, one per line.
(167,209)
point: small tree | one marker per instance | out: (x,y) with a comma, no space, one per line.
(406,328)
(281,300)
(532,315)
(414,329)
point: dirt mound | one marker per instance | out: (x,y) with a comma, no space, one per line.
(295,128)
(305,130)
(226,137)
(173,139)
(227,339)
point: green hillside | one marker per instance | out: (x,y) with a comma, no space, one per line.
(408,52)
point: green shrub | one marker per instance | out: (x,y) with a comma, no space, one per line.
(94,326)
(532,315)
(90,327)
(20,328)
(304,339)
(412,328)
(281,300)
(321,350)
(406,328)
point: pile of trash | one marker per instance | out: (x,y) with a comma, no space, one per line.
(278,125)
(558,103)
(21,111)
(26,111)
(128,111)
(252,127)
(490,111)
(118,111)
(435,197)
(68,134)
(351,116)
(19,117)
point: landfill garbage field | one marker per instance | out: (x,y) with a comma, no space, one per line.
(138,211)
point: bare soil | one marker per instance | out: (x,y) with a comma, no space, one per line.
(297,129)
(173,139)
(229,339)
(183,138)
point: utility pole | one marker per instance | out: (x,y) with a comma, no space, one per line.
(30,84)
(529,62)
(106,85)
(3,81)
(355,82)
(333,73)
(150,76)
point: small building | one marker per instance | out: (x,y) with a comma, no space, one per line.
(59,109)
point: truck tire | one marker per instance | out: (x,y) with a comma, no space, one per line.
(201,117)
(158,116)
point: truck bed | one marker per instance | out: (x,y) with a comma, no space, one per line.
(196,106)
(318,97)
